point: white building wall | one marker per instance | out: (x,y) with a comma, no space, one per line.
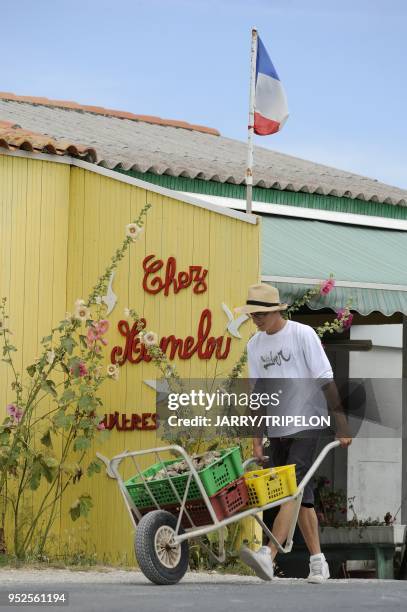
(374,462)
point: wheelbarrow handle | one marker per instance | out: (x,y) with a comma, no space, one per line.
(319,459)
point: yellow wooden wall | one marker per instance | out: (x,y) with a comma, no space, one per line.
(59,227)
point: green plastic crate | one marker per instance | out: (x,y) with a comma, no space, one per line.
(214,477)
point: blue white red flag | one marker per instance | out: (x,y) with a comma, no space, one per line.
(270,107)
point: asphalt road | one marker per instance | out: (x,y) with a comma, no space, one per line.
(200,593)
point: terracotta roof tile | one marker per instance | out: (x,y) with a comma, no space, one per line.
(108,112)
(13,137)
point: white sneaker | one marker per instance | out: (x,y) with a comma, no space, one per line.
(260,561)
(318,569)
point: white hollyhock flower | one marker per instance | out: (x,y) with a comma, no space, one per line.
(150,339)
(50,357)
(113,371)
(133,231)
(82,312)
(127,312)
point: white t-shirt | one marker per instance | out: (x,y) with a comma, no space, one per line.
(294,352)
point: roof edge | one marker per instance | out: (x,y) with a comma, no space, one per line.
(123,178)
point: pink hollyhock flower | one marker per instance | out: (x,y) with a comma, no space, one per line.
(343,313)
(15,412)
(327,286)
(101,426)
(95,333)
(92,334)
(79,370)
(102,326)
(11,409)
(18,415)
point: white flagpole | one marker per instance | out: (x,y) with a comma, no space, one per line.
(249,170)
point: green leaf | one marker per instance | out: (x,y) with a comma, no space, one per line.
(68,343)
(63,420)
(35,477)
(86,401)
(46,339)
(31,370)
(94,467)
(75,510)
(81,507)
(46,439)
(67,397)
(82,339)
(51,462)
(48,471)
(49,387)
(81,443)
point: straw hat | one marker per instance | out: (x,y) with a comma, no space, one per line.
(262,298)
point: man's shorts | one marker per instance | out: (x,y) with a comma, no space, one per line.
(301,451)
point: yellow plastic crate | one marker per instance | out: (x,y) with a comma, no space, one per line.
(266,486)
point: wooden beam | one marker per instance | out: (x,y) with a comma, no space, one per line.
(403,516)
(339,344)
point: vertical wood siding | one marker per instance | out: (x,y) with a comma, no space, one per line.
(59,227)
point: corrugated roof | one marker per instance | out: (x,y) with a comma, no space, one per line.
(298,249)
(163,148)
(13,137)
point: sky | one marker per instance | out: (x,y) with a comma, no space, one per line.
(342,63)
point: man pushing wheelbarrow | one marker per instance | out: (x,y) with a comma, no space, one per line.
(187,497)
(285,349)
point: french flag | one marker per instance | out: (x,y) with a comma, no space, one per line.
(270,107)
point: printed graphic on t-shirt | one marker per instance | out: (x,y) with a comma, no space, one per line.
(271,359)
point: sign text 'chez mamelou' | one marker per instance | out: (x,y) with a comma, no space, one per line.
(202,344)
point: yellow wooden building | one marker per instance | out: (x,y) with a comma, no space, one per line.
(61,218)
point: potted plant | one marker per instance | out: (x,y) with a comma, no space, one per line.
(332,508)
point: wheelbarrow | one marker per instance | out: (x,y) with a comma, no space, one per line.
(161,542)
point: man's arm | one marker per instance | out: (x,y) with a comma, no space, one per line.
(335,408)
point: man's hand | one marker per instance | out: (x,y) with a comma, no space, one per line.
(258,450)
(345,442)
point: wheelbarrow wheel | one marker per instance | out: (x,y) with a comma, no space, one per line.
(160,559)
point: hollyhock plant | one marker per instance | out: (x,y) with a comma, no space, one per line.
(42,443)
(327,286)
